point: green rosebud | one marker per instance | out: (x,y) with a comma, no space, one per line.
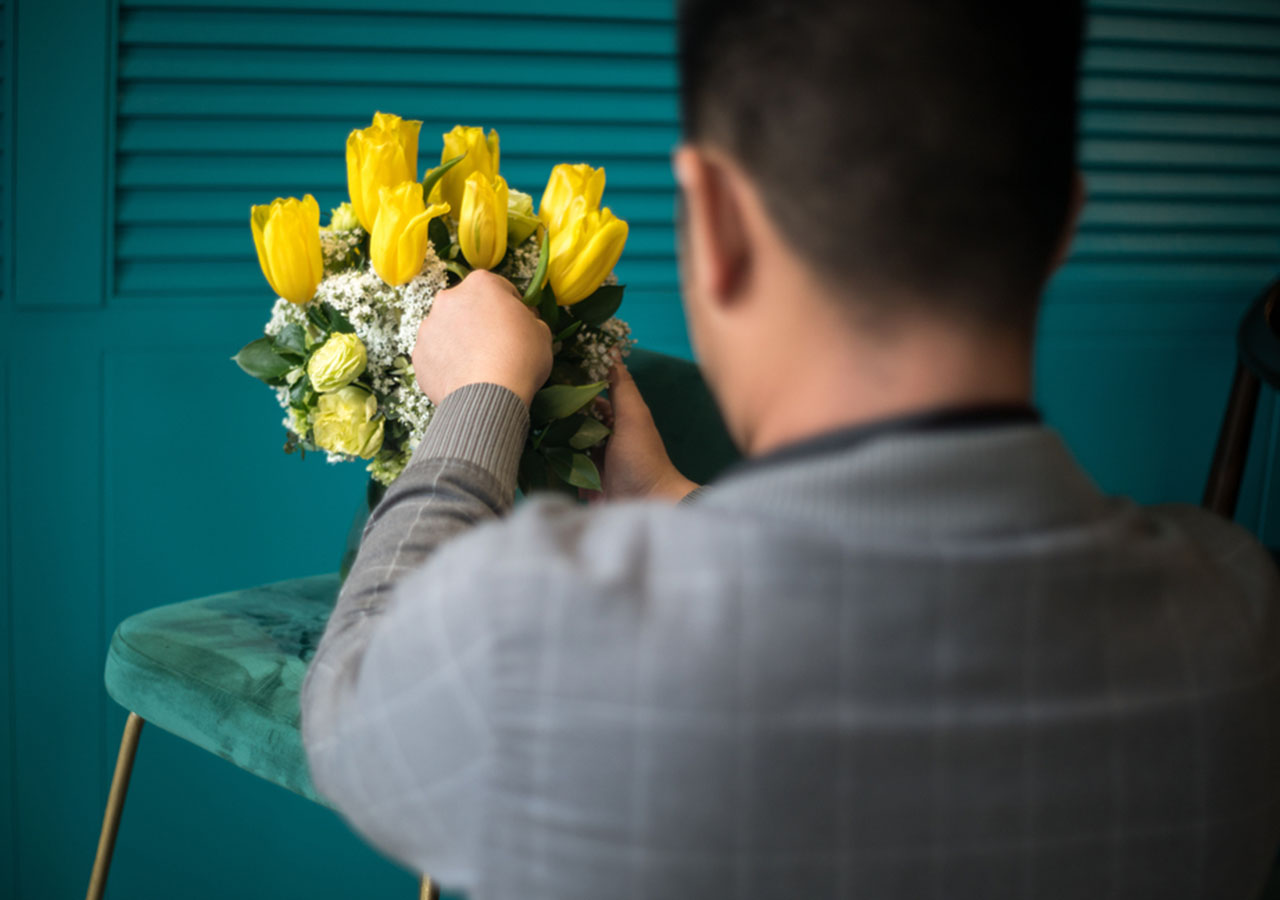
(344,422)
(521,220)
(343,218)
(339,361)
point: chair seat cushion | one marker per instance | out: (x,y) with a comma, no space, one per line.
(225,671)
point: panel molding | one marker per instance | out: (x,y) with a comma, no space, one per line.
(61,196)
(57,621)
(8,731)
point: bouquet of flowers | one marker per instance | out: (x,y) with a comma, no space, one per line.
(338,348)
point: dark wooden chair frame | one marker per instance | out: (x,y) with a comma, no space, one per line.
(1257,362)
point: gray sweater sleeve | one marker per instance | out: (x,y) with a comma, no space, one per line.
(462,474)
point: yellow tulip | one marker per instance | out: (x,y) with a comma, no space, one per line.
(398,244)
(382,155)
(482,224)
(480,155)
(287,235)
(584,251)
(567,183)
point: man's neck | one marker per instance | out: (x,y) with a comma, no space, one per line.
(834,385)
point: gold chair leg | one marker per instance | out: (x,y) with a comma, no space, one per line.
(115,806)
(427,890)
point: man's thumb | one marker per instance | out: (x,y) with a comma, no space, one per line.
(624,395)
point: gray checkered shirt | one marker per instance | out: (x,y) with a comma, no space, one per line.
(935,665)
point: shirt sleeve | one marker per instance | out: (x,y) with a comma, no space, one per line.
(380,771)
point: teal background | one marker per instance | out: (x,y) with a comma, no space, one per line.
(141,467)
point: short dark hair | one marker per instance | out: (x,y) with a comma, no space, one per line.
(909,147)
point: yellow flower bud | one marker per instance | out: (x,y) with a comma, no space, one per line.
(480,155)
(399,241)
(338,362)
(382,155)
(344,422)
(584,251)
(287,235)
(520,218)
(482,224)
(568,182)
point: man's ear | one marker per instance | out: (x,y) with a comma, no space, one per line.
(1079,193)
(715,234)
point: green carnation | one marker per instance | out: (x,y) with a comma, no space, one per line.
(339,361)
(521,220)
(343,218)
(344,422)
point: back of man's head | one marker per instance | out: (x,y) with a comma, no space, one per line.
(909,150)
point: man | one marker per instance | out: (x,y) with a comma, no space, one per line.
(907,649)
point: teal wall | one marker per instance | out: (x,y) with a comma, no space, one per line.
(141,467)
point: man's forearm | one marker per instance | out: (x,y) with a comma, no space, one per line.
(463,473)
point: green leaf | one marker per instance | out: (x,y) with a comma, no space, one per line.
(292,339)
(575,468)
(548,309)
(598,307)
(533,293)
(318,317)
(298,393)
(433,175)
(532,474)
(568,332)
(591,433)
(262,362)
(562,400)
(457,268)
(338,322)
(560,432)
(438,234)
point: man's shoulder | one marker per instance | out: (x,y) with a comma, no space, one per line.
(1213,535)
(1206,541)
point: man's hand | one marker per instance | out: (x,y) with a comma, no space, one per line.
(636,464)
(480,330)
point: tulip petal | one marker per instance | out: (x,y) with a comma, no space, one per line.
(258,217)
(354,168)
(491,144)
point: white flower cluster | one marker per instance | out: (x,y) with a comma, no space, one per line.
(596,347)
(521,263)
(339,248)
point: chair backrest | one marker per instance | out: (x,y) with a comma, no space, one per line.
(1258,339)
(1258,361)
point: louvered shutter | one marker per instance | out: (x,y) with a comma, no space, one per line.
(6,160)
(220,107)
(1180,141)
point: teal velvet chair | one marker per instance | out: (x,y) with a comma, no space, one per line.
(224,672)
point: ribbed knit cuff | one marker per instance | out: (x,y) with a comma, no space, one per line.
(483,424)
